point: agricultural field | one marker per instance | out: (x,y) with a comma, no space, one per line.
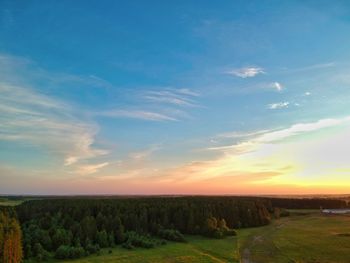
(306,236)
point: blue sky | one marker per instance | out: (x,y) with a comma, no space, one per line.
(149,97)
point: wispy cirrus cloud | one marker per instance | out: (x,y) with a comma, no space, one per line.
(189,92)
(176,97)
(241,134)
(245,72)
(300,128)
(275,155)
(141,155)
(136,164)
(279,105)
(157,105)
(277,86)
(28,71)
(313,67)
(250,139)
(86,169)
(29,117)
(137,114)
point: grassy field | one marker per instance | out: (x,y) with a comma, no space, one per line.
(198,249)
(304,237)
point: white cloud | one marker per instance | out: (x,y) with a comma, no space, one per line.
(241,134)
(279,105)
(300,128)
(246,72)
(307,93)
(251,139)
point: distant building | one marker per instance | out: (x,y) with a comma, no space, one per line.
(336,211)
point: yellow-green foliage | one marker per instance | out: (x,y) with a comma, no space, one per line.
(10,239)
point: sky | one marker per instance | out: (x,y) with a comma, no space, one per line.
(174,97)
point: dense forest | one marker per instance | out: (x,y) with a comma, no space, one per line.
(76,227)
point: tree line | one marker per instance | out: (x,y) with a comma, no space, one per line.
(307,203)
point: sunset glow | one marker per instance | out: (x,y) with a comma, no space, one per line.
(173,99)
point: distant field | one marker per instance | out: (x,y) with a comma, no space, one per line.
(304,237)
(9,202)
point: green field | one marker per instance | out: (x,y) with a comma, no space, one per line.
(303,237)
(197,249)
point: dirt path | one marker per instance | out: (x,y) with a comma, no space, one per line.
(246,255)
(263,237)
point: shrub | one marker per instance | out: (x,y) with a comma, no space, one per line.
(136,240)
(64,252)
(172,235)
(92,249)
(217,228)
